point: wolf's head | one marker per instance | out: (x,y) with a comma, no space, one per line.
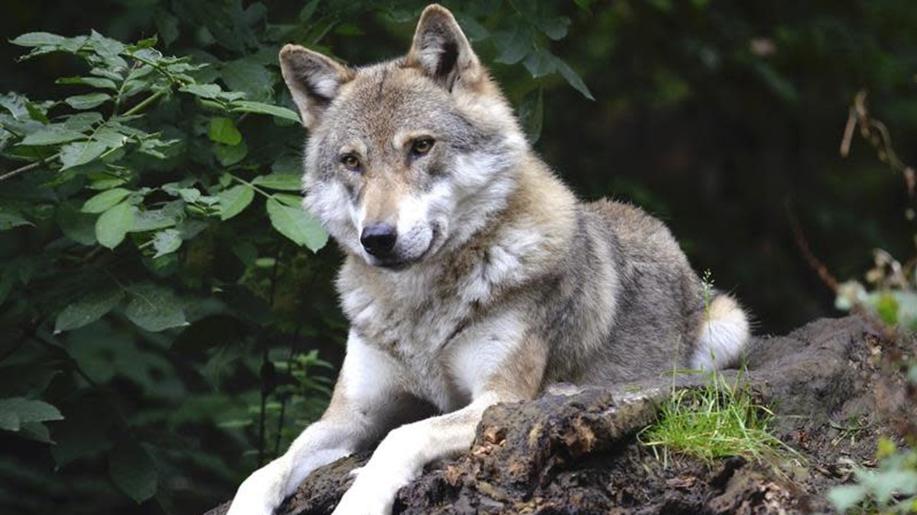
(407,157)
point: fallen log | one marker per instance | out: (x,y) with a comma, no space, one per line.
(574,450)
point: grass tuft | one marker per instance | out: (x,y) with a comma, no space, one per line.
(714,421)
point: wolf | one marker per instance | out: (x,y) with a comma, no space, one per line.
(472,275)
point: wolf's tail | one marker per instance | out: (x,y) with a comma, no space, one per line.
(724,333)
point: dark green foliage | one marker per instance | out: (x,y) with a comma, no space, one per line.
(167,311)
(167,315)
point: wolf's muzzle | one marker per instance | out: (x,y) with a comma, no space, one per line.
(379,239)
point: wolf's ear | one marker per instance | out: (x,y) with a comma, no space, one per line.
(442,51)
(313,80)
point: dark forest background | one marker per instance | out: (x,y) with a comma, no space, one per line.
(725,119)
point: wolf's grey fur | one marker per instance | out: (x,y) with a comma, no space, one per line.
(499,284)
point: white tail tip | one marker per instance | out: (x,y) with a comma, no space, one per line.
(724,333)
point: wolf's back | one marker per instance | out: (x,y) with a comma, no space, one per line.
(663,317)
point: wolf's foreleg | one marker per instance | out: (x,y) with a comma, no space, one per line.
(400,458)
(264,490)
(367,402)
(403,453)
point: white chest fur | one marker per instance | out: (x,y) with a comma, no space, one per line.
(447,338)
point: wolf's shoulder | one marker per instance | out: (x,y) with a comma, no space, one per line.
(626,219)
(638,235)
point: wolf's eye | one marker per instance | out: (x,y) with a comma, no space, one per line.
(421,146)
(350,162)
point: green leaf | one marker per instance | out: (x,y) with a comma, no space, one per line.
(149,42)
(111,138)
(95,82)
(297,224)
(279,181)
(223,130)
(289,200)
(229,155)
(887,308)
(93,306)
(82,121)
(474,30)
(114,224)
(88,101)
(37,113)
(132,470)
(541,62)
(167,26)
(249,77)
(33,39)
(305,14)
(207,91)
(555,28)
(76,154)
(246,106)
(75,224)
(513,45)
(15,104)
(150,220)
(10,219)
(166,242)
(531,112)
(51,135)
(573,79)
(189,195)
(106,47)
(16,411)
(154,308)
(103,201)
(35,431)
(234,200)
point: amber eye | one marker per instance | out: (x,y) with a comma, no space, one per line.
(421,146)
(350,162)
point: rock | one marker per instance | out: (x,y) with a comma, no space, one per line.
(574,450)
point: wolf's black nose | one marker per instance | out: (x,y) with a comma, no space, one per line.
(378,239)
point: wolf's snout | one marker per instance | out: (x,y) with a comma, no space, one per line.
(379,239)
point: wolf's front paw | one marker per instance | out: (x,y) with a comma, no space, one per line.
(260,493)
(242,506)
(372,493)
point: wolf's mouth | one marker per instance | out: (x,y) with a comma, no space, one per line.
(395,264)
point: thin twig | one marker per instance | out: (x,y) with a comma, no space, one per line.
(283,408)
(285,398)
(265,388)
(144,103)
(879,137)
(250,185)
(803,244)
(848,133)
(261,413)
(134,110)
(26,168)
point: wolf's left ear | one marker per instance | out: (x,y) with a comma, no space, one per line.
(442,51)
(313,79)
